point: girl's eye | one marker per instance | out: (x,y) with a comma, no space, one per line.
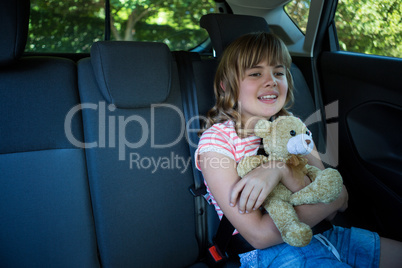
(255,74)
(279,74)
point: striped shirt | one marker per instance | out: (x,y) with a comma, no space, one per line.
(222,138)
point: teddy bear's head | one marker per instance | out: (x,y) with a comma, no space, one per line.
(284,137)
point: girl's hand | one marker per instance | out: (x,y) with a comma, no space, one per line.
(254,188)
(342,202)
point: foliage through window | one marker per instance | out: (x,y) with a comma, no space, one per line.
(370,26)
(73,25)
(298,10)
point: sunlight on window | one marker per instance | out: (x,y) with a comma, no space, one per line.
(72,26)
(371,27)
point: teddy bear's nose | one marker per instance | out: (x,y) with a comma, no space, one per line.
(308,142)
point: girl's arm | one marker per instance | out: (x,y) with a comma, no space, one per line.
(257,228)
(220,173)
(250,192)
(314,159)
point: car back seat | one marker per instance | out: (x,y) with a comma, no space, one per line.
(132,112)
(45,210)
(137,156)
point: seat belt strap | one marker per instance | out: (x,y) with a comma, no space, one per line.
(217,253)
(190,109)
(224,234)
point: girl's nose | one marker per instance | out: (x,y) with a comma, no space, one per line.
(270,81)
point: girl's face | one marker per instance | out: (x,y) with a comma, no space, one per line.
(262,92)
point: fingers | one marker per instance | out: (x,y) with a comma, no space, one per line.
(261,198)
(251,198)
(254,199)
(237,189)
(249,193)
(248,198)
(246,195)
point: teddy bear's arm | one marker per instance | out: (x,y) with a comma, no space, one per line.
(249,163)
(293,232)
(326,187)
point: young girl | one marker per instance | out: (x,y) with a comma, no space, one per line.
(252,82)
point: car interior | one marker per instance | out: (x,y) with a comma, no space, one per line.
(96,149)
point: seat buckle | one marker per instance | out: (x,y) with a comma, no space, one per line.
(215,258)
(201,191)
(197,191)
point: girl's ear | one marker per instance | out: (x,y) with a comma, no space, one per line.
(222,86)
(262,128)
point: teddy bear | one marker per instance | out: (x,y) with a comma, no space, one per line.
(288,140)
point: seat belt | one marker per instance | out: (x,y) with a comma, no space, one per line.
(216,254)
(190,109)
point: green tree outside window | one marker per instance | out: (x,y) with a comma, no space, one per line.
(73,25)
(366,26)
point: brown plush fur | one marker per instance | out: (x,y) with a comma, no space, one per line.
(326,184)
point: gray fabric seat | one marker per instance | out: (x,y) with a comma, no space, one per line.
(144,213)
(46,215)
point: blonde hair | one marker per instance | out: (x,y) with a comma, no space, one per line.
(243,53)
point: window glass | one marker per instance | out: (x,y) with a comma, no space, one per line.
(175,23)
(73,25)
(298,10)
(370,26)
(65,25)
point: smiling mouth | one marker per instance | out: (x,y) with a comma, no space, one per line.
(268,97)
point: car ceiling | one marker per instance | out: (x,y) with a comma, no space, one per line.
(299,44)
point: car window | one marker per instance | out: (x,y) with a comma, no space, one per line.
(71,26)
(371,26)
(298,10)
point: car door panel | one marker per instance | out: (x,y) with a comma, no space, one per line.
(369,94)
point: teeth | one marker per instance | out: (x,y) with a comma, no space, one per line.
(267,97)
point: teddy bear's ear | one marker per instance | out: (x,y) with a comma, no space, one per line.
(262,128)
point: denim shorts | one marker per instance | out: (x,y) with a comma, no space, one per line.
(354,247)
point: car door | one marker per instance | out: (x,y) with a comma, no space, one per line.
(368,95)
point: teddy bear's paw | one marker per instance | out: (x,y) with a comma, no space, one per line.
(332,180)
(297,234)
(297,199)
(304,196)
(312,172)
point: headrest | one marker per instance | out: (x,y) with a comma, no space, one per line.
(225,28)
(132,74)
(14,21)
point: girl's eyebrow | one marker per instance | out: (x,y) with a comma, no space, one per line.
(261,67)
(280,66)
(256,67)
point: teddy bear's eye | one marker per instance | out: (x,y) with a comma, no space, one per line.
(293,133)
(308,132)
